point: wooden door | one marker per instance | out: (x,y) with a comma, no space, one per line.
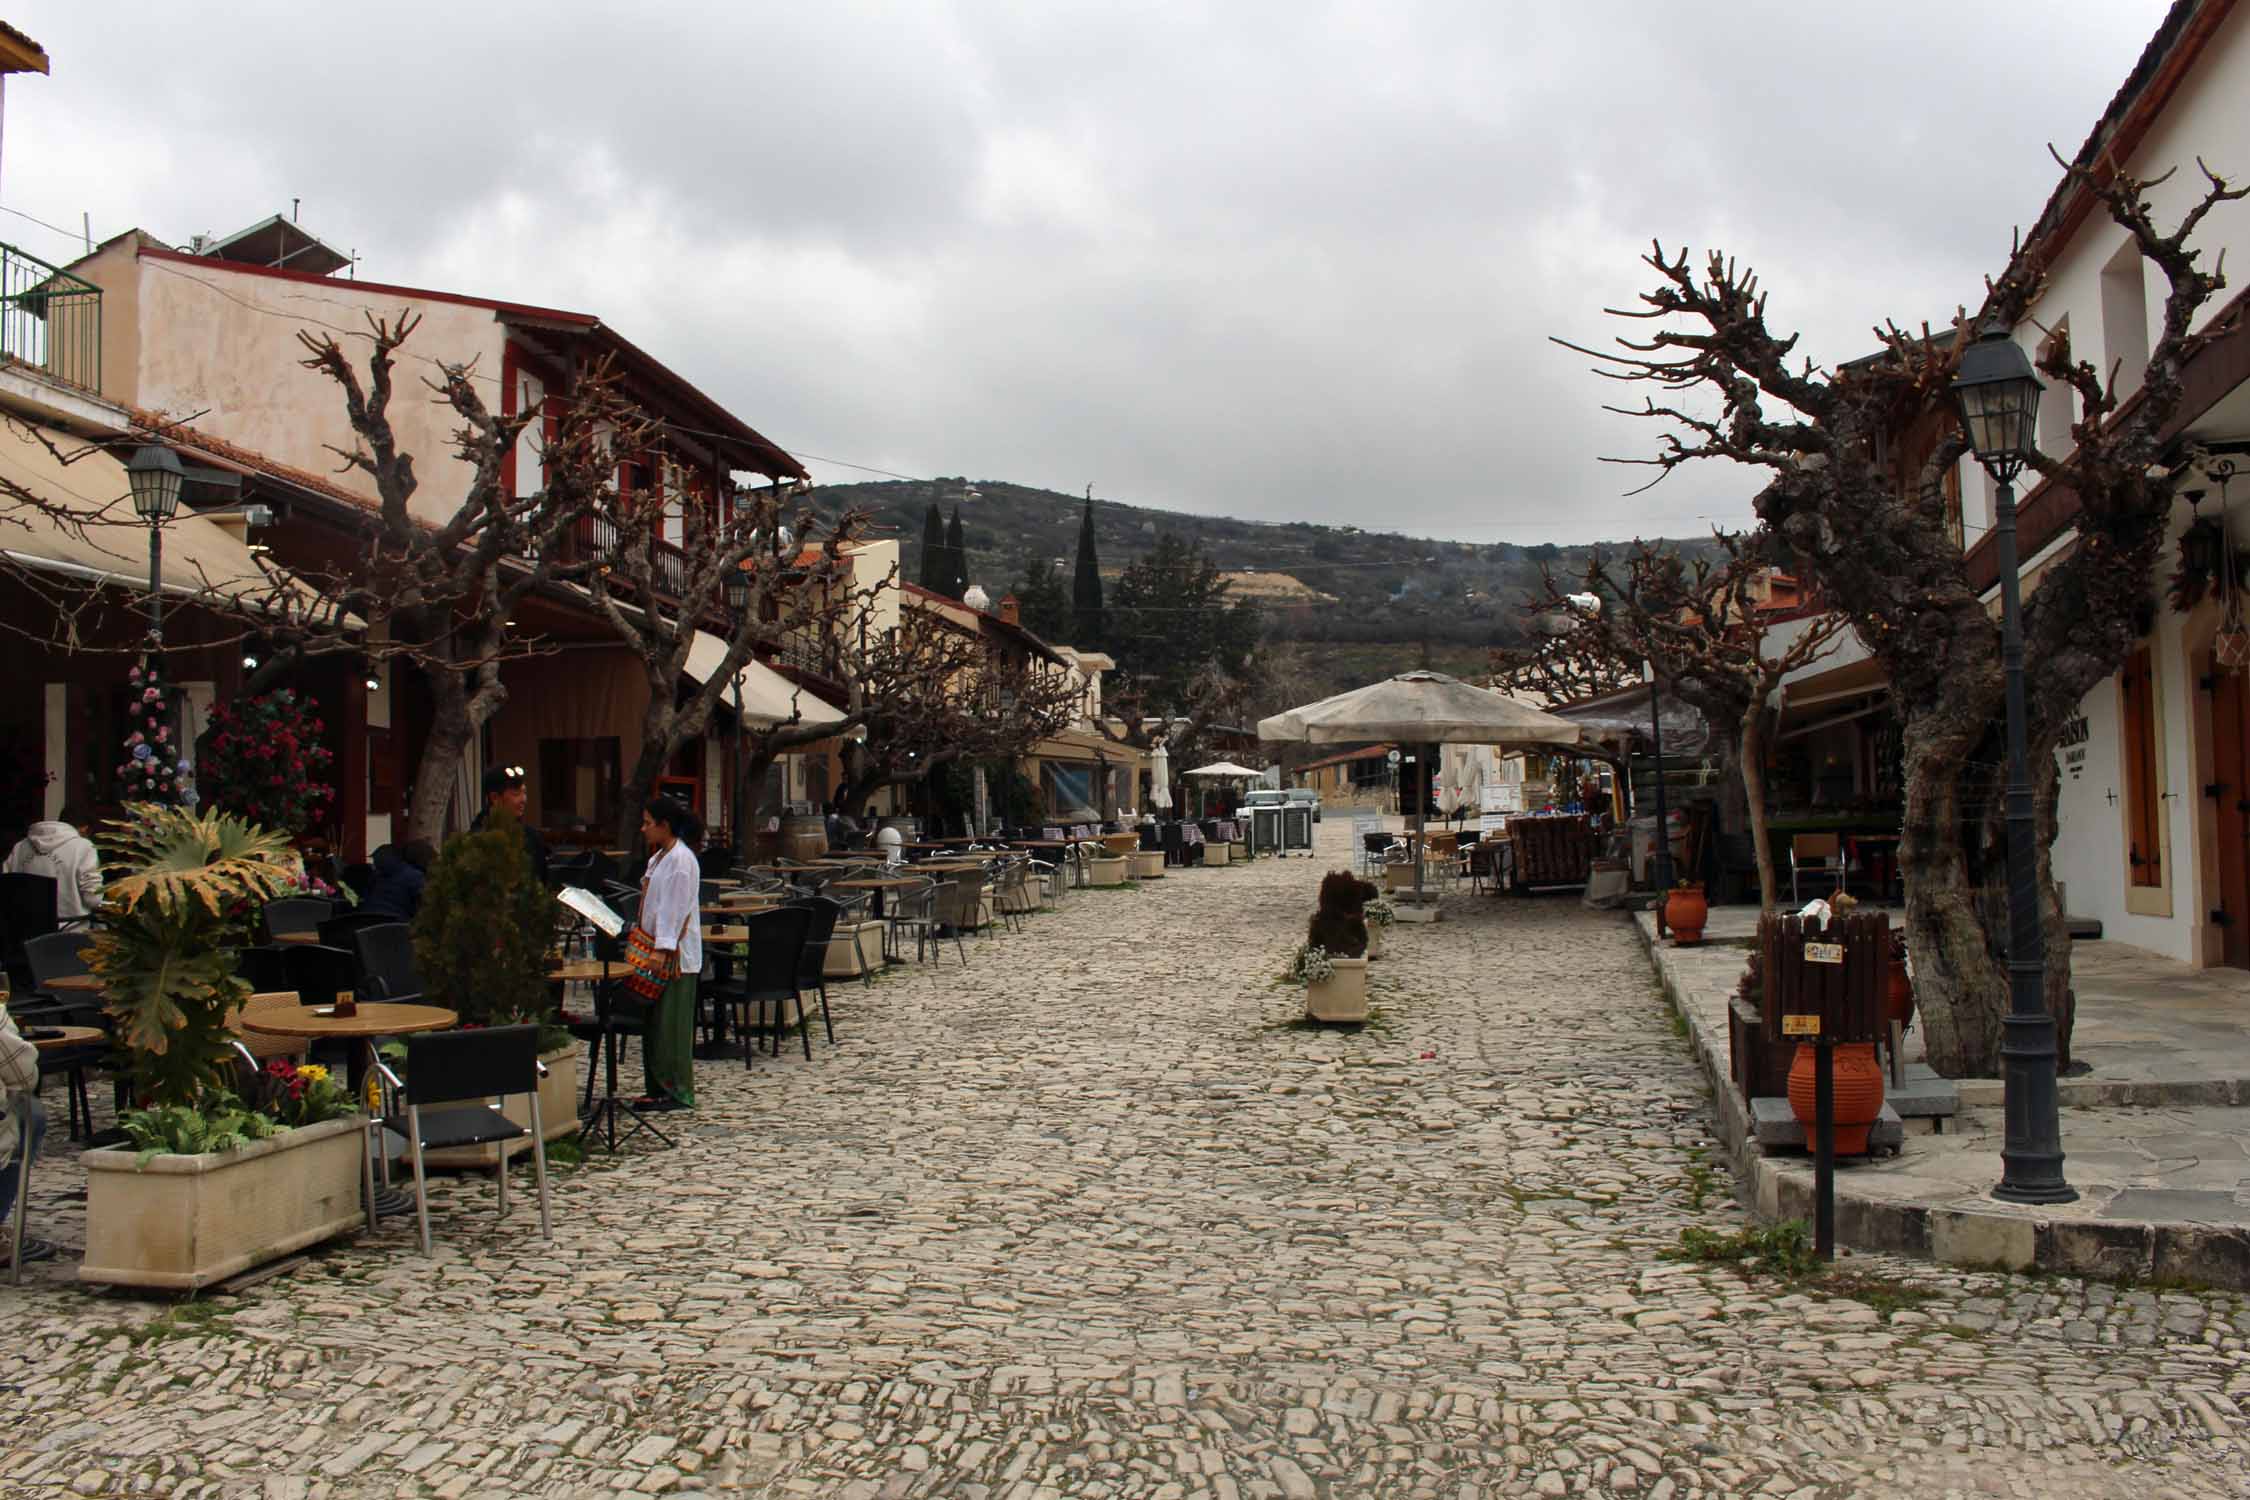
(2230,812)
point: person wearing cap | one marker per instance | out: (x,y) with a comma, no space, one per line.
(504,793)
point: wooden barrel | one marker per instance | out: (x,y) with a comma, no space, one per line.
(804,837)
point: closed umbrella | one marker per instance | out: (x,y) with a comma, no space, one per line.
(1160,779)
(1426,710)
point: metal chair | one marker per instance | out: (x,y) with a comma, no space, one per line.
(295,914)
(21,1109)
(260,1046)
(771,970)
(339,930)
(1817,854)
(27,910)
(451,1068)
(317,973)
(812,965)
(53,956)
(909,909)
(386,962)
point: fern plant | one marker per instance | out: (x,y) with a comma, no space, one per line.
(165,940)
(221,1124)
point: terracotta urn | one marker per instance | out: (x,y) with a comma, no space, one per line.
(1685,912)
(1898,990)
(1859,1094)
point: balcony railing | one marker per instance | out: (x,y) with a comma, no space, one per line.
(50,319)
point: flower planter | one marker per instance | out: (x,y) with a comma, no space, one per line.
(1399,877)
(1374,941)
(184,1222)
(855,951)
(1342,996)
(1238,852)
(558,1115)
(1859,1094)
(1148,864)
(1105,872)
(1215,856)
(1685,912)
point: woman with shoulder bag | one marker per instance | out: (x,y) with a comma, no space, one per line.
(665,953)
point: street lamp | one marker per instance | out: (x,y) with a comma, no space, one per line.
(1998,399)
(738,604)
(1663,851)
(156,476)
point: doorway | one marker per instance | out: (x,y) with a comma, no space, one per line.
(2230,811)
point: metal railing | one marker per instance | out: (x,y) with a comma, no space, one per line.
(50,318)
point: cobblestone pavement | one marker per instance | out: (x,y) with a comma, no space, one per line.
(1086,1218)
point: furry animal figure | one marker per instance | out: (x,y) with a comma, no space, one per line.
(1339,925)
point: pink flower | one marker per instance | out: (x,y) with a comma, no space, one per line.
(150,695)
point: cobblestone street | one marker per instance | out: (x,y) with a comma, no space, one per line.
(1089,1218)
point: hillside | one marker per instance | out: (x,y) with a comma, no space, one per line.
(1379,589)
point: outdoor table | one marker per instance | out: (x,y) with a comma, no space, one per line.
(737,908)
(725,935)
(580,971)
(65,1036)
(376,1018)
(297,939)
(1121,844)
(892,883)
(74,984)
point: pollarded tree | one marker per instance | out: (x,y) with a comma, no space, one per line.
(1868,525)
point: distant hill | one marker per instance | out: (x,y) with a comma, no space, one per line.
(1381,586)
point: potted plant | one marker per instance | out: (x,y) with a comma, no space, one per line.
(1858,1085)
(1685,912)
(263,757)
(216,1183)
(1379,913)
(481,942)
(1332,963)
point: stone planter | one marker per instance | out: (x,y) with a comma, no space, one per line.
(1374,941)
(1215,856)
(558,1113)
(1239,853)
(1399,877)
(1148,864)
(1105,871)
(855,951)
(185,1222)
(1342,996)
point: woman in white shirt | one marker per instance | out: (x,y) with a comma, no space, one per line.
(671,911)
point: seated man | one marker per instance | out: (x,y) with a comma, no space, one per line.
(19,1081)
(57,850)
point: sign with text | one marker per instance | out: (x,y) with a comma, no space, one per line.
(1800,1026)
(1824,953)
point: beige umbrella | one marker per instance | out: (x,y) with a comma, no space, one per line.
(1424,710)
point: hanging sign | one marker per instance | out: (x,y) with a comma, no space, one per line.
(1824,953)
(1800,1026)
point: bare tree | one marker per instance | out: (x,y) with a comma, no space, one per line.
(446,588)
(1868,524)
(1698,623)
(1566,665)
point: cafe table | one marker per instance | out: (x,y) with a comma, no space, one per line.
(73,984)
(373,1020)
(296,939)
(62,1039)
(56,1038)
(876,885)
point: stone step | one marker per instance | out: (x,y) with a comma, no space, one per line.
(1775,1125)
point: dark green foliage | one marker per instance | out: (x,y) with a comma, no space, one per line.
(1045,605)
(1090,624)
(1175,619)
(956,559)
(1340,923)
(481,937)
(932,574)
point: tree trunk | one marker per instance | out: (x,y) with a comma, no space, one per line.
(459,711)
(1960,989)
(1754,801)
(658,736)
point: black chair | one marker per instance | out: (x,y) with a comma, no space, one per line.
(54,955)
(27,910)
(770,973)
(360,878)
(812,970)
(264,967)
(386,963)
(316,972)
(464,1069)
(296,914)
(339,930)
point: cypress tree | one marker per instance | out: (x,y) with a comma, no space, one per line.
(932,575)
(1088,622)
(956,559)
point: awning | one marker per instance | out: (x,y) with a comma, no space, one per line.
(1617,718)
(768,698)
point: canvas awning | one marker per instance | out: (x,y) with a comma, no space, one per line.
(768,698)
(1224,770)
(1420,708)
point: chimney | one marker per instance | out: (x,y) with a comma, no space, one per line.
(1010,610)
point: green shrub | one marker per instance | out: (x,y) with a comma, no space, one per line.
(484,929)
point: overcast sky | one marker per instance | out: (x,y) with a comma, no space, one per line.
(1279,260)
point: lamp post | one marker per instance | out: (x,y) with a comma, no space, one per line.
(1663,832)
(156,476)
(1998,400)
(738,603)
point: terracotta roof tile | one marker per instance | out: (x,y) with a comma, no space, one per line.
(236,456)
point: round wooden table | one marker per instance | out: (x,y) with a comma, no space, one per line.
(296,939)
(73,984)
(582,970)
(64,1036)
(376,1018)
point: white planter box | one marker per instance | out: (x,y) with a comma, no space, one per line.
(1215,856)
(1374,941)
(558,1115)
(1240,853)
(1342,997)
(1400,877)
(1105,872)
(856,950)
(184,1222)
(1148,864)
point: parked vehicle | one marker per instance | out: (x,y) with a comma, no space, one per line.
(1305,796)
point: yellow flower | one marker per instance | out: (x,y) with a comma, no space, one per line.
(312,1073)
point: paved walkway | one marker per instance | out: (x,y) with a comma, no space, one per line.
(1088,1219)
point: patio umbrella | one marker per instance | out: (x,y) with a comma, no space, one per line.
(1223,770)
(1425,710)
(1160,778)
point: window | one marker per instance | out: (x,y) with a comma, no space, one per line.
(2125,319)
(578,782)
(2144,804)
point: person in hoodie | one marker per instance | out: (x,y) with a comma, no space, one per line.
(55,848)
(399,877)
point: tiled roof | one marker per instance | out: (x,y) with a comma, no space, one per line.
(236,456)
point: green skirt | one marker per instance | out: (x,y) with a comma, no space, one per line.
(668,1044)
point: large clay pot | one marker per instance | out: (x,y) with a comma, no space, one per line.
(1685,912)
(1898,993)
(1859,1094)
